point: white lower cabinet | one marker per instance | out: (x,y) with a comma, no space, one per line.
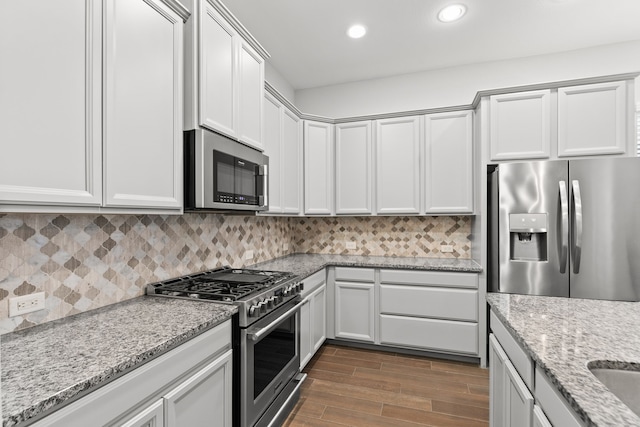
(517,399)
(204,399)
(151,416)
(313,329)
(421,310)
(355,316)
(190,385)
(511,400)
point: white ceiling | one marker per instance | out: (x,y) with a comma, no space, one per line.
(309,47)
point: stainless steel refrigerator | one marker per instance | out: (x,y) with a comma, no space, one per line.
(566,228)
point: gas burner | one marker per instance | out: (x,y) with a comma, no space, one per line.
(226,285)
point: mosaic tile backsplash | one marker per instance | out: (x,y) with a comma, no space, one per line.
(83,262)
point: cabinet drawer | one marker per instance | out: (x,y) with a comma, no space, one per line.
(355,274)
(446,335)
(553,403)
(312,282)
(431,278)
(519,358)
(442,303)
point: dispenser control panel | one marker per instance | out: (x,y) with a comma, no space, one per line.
(528,223)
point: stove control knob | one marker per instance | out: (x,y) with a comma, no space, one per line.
(269,302)
(254,310)
(277,299)
(299,288)
(263,306)
(273,301)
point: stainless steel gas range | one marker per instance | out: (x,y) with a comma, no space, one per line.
(266,336)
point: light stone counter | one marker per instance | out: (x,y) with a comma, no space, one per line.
(52,364)
(306,264)
(563,335)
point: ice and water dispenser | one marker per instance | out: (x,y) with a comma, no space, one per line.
(528,236)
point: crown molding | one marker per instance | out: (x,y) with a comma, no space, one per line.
(476,100)
(554,85)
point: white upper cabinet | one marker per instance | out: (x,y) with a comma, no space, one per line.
(51,103)
(521,125)
(109,105)
(318,168)
(143,105)
(224,85)
(354,161)
(273,149)
(251,94)
(283,146)
(291,173)
(592,119)
(398,165)
(449,162)
(218,75)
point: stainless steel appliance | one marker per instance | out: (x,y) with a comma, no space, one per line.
(220,173)
(266,341)
(566,228)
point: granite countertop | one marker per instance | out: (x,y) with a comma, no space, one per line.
(564,335)
(50,364)
(305,265)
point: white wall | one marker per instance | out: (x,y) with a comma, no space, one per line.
(273,76)
(458,85)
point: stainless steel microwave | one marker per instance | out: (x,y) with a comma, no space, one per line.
(223,174)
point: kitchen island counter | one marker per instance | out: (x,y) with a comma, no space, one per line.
(305,265)
(50,365)
(563,335)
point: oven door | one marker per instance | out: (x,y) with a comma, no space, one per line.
(270,360)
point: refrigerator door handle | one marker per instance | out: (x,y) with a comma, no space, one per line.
(577,226)
(563,233)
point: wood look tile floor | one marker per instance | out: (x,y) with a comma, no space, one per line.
(355,387)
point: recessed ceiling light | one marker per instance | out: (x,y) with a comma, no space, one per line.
(452,12)
(356,31)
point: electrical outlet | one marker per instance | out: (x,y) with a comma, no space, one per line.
(26,304)
(285,247)
(351,245)
(248,255)
(446,249)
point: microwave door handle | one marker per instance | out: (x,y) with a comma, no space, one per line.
(563,232)
(264,173)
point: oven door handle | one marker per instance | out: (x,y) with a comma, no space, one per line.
(255,336)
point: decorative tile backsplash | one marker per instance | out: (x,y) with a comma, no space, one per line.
(410,236)
(83,262)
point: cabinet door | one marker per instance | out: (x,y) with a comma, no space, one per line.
(51,102)
(319,321)
(291,162)
(272,148)
(204,399)
(251,94)
(152,416)
(306,346)
(354,311)
(518,399)
(539,418)
(497,375)
(217,74)
(592,119)
(353,168)
(449,162)
(398,165)
(520,125)
(143,103)
(318,168)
